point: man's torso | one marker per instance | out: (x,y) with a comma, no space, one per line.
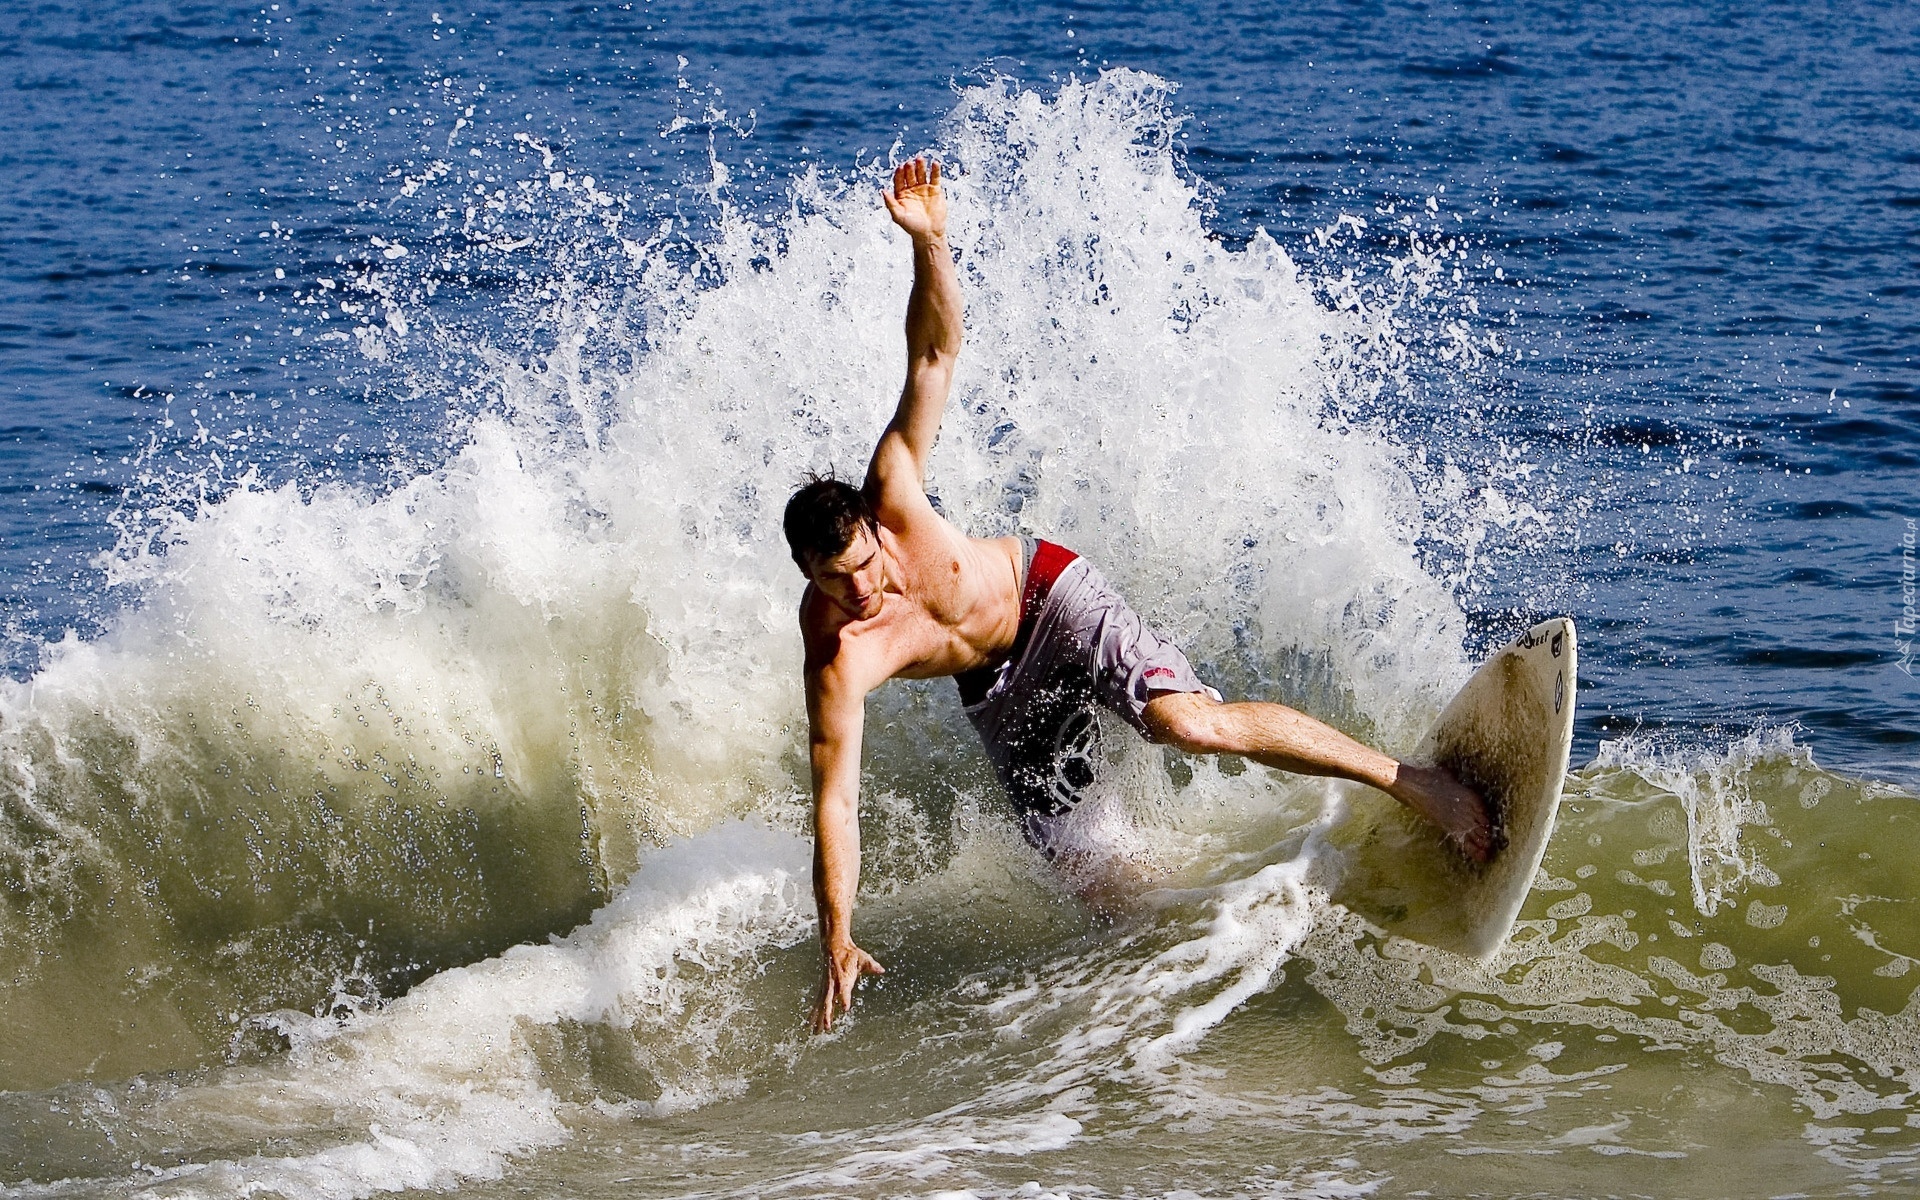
(951,604)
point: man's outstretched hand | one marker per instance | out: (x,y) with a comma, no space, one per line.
(915,200)
(841,973)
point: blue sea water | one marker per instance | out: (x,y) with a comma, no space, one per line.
(368,368)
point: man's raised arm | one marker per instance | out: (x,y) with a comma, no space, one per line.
(935,314)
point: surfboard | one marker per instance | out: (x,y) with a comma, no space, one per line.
(1506,734)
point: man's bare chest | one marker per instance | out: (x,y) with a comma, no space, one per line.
(920,640)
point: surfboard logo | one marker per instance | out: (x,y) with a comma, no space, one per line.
(1559,682)
(1533,637)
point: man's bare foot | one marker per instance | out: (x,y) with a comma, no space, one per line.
(1460,812)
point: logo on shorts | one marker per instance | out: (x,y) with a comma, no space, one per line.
(1076,759)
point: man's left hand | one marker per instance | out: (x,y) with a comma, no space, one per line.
(916,201)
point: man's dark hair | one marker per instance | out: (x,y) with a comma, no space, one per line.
(824,517)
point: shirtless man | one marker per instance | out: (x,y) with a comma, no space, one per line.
(1033,633)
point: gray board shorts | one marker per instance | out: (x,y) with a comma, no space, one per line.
(1036,712)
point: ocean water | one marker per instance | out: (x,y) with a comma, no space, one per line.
(402,782)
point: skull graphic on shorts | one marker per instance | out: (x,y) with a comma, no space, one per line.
(1075,758)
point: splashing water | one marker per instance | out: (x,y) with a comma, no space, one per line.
(344,742)
(346,720)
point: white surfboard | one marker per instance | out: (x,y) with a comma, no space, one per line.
(1507,735)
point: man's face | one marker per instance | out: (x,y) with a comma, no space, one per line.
(853,579)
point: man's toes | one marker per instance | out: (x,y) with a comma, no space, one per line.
(1474,846)
(1474,841)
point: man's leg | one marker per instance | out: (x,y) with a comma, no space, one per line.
(1278,736)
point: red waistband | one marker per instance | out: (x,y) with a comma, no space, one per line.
(1048,561)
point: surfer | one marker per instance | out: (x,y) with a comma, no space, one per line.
(1033,634)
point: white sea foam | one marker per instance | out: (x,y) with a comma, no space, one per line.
(1121,1012)
(452,1082)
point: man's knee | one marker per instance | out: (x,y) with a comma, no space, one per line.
(1189,721)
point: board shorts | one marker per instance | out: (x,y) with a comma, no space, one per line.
(1080,647)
